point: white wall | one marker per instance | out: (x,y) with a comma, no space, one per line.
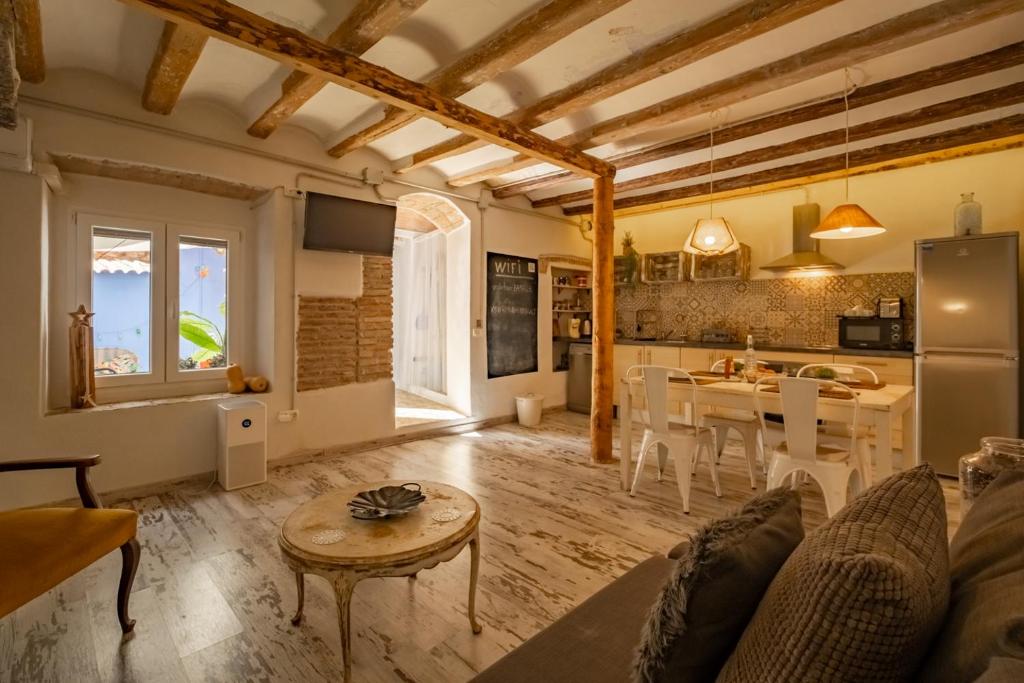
(458,315)
(913,203)
(508,233)
(156,443)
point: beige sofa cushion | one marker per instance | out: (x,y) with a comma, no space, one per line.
(860,598)
(986,605)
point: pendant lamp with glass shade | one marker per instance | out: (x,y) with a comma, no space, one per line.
(847,221)
(713,235)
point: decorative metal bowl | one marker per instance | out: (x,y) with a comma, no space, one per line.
(386,502)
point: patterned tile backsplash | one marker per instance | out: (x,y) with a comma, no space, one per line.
(790,311)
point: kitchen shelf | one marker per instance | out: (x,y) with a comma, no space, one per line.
(570,299)
(732,266)
(667,267)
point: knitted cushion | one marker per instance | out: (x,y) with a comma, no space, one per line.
(714,589)
(861,597)
(986,606)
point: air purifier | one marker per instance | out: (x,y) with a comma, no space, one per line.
(242,444)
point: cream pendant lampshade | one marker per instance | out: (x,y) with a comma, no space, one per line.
(847,221)
(713,235)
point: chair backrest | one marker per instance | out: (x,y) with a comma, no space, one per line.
(656,382)
(842,370)
(799,397)
(720,363)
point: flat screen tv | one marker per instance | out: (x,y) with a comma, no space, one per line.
(348,225)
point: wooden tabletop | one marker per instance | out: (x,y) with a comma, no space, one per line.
(873,399)
(373,542)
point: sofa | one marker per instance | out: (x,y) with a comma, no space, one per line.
(971,629)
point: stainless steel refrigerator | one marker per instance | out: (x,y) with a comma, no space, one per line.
(966,349)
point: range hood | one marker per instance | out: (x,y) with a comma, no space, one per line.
(805,255)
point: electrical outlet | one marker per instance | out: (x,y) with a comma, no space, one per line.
(287,415)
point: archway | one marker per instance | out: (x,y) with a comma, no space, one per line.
(431,314)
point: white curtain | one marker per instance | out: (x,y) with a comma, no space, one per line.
(419,313)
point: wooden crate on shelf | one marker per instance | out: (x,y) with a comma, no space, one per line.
(665,267)
(732,266)
(627,270)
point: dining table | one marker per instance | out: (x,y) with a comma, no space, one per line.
(879,409)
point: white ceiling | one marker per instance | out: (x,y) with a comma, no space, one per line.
(107,37)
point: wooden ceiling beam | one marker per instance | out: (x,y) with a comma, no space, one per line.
(898,33)
(969,150)
(176,56)
(747,21)
(936,113)
(495,55)
(990,136)
(155,175)
(366,24)
(951,72)
(248,30)
(28,43)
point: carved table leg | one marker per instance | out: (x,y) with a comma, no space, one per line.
(474,572)
(343,586)
(300,584)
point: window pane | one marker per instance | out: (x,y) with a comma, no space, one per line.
(121,298)
(203,303)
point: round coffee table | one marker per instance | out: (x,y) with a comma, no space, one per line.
(395,547)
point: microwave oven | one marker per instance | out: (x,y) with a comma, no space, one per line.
(871,333)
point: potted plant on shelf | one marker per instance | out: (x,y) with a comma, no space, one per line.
(630,259)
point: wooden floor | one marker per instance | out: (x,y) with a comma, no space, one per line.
(212,597)
(413,409)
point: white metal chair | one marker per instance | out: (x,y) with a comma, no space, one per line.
(684,442)
(841,370)
(746,424)
(834,468)
(839,433)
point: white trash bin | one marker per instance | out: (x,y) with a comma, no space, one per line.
(528,409)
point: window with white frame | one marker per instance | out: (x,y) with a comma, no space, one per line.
(165,299)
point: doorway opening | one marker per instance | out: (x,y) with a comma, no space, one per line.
(431,311)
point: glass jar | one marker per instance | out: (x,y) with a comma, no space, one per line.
(977,470)
(967,216)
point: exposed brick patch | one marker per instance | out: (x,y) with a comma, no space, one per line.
(342,341)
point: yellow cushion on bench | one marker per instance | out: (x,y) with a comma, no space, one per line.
(40,547)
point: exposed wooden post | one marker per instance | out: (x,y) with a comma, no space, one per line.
(602,386)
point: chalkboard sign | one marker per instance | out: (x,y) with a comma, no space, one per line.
(511,315)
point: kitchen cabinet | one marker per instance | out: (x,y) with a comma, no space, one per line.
(624,356)
(693,358)
(889,370)
(666,356)
(791,357)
